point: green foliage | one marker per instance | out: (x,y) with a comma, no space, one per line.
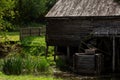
(6,11)
(42,65)
(32,10)
(17,65)
(1,64)
(35,65)
(9,36)
(50,4)
(13,65)
(26,77)
(33,41)
(28,65)
(36,46)
(35,50)
(60,63)
(14,13)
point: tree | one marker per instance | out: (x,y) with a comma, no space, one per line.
(6,12)
(29,10)
(32,10)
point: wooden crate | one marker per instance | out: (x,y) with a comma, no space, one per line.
(88,63)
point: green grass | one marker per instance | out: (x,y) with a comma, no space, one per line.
(11,36)
(25,77)
(34,41)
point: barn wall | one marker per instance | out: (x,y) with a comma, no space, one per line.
(68,31)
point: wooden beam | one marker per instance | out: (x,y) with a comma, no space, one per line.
(68,52)
(55,52)
(113,53)
(47,47)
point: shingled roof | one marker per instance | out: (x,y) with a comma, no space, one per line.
(84,8)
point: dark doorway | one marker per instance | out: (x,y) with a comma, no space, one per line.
(104,45)
(117,55)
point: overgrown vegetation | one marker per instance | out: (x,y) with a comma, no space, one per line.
(29,59)
(17,65)
(14,13)
(26,56)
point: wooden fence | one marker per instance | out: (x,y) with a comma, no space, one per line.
(25,32)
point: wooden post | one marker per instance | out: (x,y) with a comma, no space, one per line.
(55,52)
(113,53)
(68,52)
(47,47)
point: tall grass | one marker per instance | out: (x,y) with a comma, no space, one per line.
(18,65)
(42,65)
(30,60)
(13,65)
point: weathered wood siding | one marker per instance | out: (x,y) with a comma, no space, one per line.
(68,31)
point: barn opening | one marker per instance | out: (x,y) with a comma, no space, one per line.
(104,46)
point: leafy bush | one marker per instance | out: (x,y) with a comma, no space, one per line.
(6,13)
(1,64)
(31,64)
(30,60)
(13,65)
(36,46)
(34,51)
(60,63)
(42,65)
(28,65)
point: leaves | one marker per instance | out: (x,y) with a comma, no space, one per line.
(6,11)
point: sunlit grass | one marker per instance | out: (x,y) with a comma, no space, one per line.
(34,41)
(25,77)
(9,36)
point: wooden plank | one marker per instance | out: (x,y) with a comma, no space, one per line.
(85,63)
(114,53)
(88,64)
(68,52)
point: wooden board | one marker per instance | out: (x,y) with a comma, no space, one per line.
(87,64)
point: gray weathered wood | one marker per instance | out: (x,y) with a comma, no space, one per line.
(31,31)
(85,63)
(84,8)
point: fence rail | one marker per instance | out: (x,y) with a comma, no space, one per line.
(31,31)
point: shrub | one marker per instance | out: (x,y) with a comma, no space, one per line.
(13,65)
(28,65)
(60,63)
(36,46)
(42,65)
(1,64)
(35,51)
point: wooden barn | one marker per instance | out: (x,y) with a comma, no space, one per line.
(81,29)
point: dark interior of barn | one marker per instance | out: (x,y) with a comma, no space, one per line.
(104,46)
